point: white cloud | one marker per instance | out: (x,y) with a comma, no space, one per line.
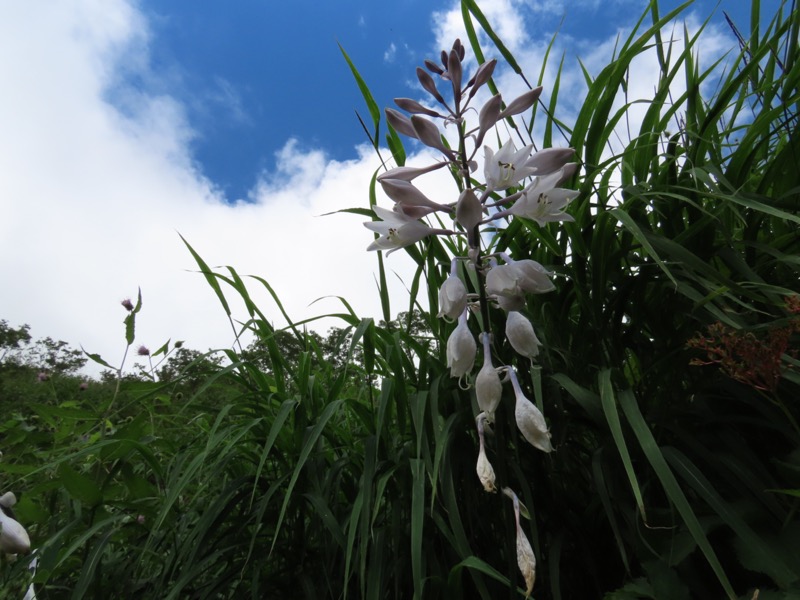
(93,198)
(391,53)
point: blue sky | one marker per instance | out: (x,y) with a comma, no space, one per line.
(255,73)
(126,122)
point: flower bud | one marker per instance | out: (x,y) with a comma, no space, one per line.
(433,67)
(533,277)
(404,192)
(482,75)
(429,134)
(455,73)
(409,173)
(521,103)
(489,115)
(452,298)
(414,107)
(399,122)
(469,212)
(520,334)
(430,86)
(14,538)
(530,420)
(549,160)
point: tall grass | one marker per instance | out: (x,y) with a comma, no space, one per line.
(315,480)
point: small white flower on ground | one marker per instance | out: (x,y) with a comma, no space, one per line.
(461,348)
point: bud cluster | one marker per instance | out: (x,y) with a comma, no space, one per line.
(530,183)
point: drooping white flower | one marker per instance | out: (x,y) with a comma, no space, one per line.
(452,297)
(488,388)
(521,335)
(507,167)
(542,202)
(461,348)
(532,277)
(14,538)
(530,420)
(502,280)
(396,229)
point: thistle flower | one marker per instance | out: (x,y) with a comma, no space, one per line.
(461,348)
(521,335)
(127,304)
(488,388)
(143,351)
(530,420)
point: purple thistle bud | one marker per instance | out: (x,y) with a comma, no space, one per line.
(143,351)
(127,304)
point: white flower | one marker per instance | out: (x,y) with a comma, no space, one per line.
(542,202)
(521,335)
(396,229)
(452,297)
(488,388)
(13,537)
(507,167)
(530,419)
(461,348)
(515,278)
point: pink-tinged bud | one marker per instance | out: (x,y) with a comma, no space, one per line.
(456,73)
(399,122)
(482,75)
(433,67)
(443,56)
(127,304)
(140,519)
(489,115)
(461,348)
(42,376)
(469,212)
(459,48)
(428,84)
(414,212)
(549,160)
(452,298)
(429,134)
(414,107)
(404,192)
(83,386)
(522,103)
(409,173)
(143,351)
(567,171)
(521,335)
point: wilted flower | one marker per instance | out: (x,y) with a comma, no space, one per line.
(461,348)
(452,297)
(484,467)
(521,335)
(530,419)
(526,560)
(143,351)
(488,388)
(396,229)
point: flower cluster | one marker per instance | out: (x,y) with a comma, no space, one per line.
(517,183)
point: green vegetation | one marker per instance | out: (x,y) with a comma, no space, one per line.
(344,466)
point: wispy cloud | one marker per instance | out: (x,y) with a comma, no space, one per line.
(390,53)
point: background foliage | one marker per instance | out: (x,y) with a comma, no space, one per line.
(341,466)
